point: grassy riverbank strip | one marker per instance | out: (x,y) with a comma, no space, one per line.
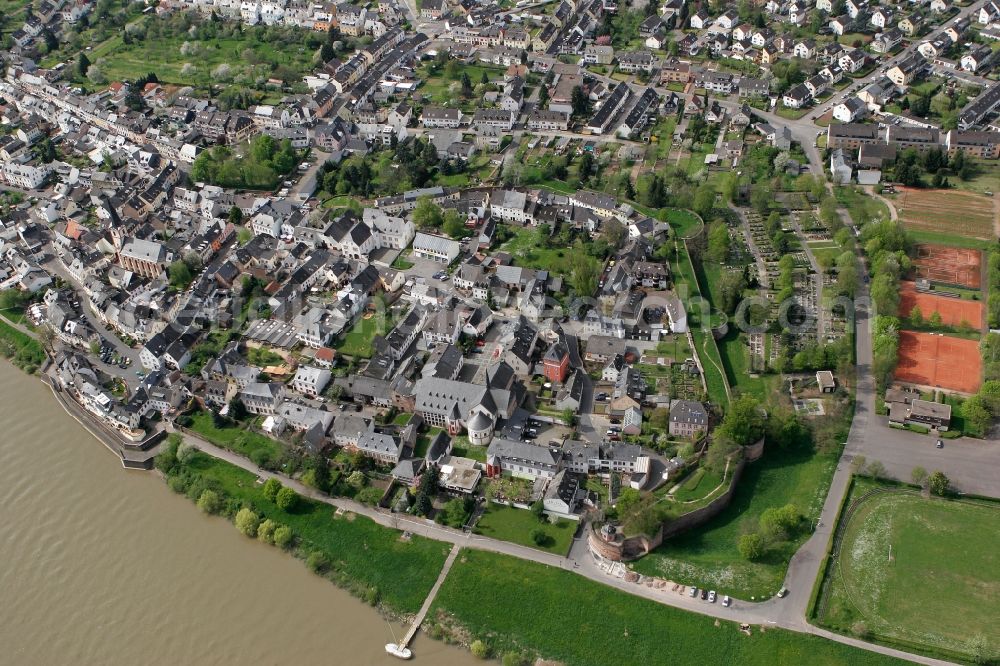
(370,561)
(514,606)
(23,351)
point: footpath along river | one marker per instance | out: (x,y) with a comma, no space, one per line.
(103,566)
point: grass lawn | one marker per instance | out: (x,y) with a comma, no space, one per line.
(791,114)
(22,350)
(707,556)
(363,554)
(697,486)
(715,379)
(939,589)
(987,178)
(560,616)
(530,251)
(477,453)
(861,207)
(358,341)
(684,223)
(516,526)
(953,240)
(163,56)
(235,439)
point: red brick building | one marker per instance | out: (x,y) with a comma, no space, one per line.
(556,363)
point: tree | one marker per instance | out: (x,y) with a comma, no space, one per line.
(454,512)
(357,479)
(427,214)
(82,65)
(543,96)
(265,532)
(247,522)
(731,288)
(743,424)
(209,502)
(283,536)
(876,470)
(704,199)
(538,510)
(935,319)
(96,75)
(975,413)
(286,499)
(885,295)
(919,476)
(539,537)
(938,483)
(751,546)
(270,488)
(479,649)
(466,85)
(916,317)
(568,416)
(718,242)
(579,101)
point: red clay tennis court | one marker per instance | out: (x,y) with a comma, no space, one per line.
(940,361)
(959,266)
(953,311)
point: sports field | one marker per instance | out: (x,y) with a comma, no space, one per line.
(923,573)
(953,311)
(941,361)
(962,267)
(947,211)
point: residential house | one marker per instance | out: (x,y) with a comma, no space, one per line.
(687,418)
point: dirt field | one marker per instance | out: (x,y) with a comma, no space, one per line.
(961,267)
(940,361)
(953,311)
(947,211)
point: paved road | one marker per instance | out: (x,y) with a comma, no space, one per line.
(787,613)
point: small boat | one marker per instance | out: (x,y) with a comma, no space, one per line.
(396,651)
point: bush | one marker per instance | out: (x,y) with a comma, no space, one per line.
(370,495)
(515,659)
(247,522)
(751,546)
(265,532)
(283,537)
(271,488)
(939,483)
(209,502)
(286,499)
(317,562)
(479,649)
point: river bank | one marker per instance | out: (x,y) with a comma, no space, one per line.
(350,559)
(112,568)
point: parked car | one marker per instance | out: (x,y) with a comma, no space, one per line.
(726,601)
(711,596)
(694,592)
(782,592)
(940,444)
(704,595)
